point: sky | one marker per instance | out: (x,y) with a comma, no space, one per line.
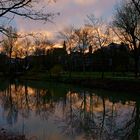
(72,12)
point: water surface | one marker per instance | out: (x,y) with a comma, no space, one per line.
(52,111)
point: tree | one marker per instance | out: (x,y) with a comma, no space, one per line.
(23,8)
(82,36)
(9,43)
(26,46)
(76,41)
(25,50)
(100,35)
(68,35)
(127,22)
(136,4)
(42,43)
(82,39)
(69,43)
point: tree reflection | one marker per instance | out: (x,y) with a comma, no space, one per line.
(97,118)
(44,103)
(131,128)
(75,113)
(21,100)
(27,101)
(10,106)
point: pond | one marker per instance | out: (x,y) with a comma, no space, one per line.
(52,111)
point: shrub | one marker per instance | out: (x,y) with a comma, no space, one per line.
(56,71)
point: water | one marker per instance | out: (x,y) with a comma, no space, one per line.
(52,111)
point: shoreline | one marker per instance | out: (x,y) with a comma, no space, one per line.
(126,85)
(122,84)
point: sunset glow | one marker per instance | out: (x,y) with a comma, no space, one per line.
(72,12)
(69,69)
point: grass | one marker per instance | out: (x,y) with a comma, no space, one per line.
(97,75)
(44,75)
(116,81)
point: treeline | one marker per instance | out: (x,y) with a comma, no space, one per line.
(88,48)
(113,58)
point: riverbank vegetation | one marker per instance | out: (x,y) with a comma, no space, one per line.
(95,51)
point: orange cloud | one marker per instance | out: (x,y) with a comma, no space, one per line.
(72,12)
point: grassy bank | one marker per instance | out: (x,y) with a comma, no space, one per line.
(117,81)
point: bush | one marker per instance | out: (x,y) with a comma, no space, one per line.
(56,71)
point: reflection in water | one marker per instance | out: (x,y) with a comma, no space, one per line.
(52,114)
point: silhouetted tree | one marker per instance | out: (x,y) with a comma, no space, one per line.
(42,44)
(9,43)
(23,8)
(82,39)
(100,35)
(68,35)
(137,5)
(127,21)
(26,45)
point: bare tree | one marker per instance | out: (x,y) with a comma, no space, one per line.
(23,8)
(9,41)
(82,38)
(42,43)
(136,4)
(100,35)
(68,35)
(127,21)
(26,46)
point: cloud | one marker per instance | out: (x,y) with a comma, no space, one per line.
(82,2)
(72,12)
